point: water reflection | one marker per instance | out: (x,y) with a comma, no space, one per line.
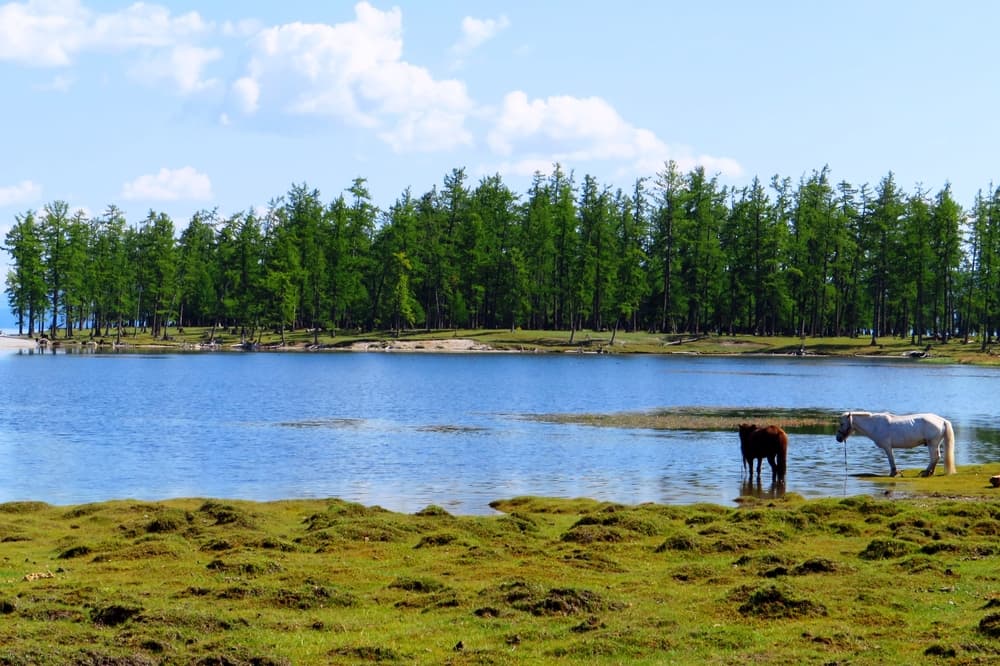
(773,490)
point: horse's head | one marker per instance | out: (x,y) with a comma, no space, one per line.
(845,427)
(746,429)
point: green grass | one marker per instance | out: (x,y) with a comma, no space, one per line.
(559,341)
(859,580)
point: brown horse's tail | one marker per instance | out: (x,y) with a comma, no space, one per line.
(782,455)
(949,448)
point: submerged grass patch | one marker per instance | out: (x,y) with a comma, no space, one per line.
(704,418)
(852,580)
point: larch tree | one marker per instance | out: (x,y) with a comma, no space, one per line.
(55,239)
(539,253)
(204,295)
(27,291)
(947,219)
(669,191)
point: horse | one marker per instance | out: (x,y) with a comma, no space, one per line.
(769,442)
(905,431)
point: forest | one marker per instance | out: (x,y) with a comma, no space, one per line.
(676,253)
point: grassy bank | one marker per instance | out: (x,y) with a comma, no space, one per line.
(856,580)
(954,351)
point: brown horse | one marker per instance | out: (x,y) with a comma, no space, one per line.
(769,442)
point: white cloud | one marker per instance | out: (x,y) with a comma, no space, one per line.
(185,183)
(143,25)
(572,129)
(247,94)
(354,71)
(182,66)
(23,192)
(40,32)
(476,32)
(51,33)
(564,120)
(241,28)
(54,33)
(525,167)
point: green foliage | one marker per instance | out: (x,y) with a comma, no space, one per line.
(681,253)
(26,287)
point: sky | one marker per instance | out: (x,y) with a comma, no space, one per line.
(182,106)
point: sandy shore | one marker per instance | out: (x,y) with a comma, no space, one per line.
(15,342)
(450,345)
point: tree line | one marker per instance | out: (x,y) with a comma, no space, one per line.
(676,253)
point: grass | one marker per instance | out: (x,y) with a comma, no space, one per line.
(854,580)
(954,351)
(703,418)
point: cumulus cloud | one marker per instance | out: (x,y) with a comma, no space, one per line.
(476,32)
(41,33)
(354,71)
(573,129)
(54,33)
(185,183)
(51,33)
(22,192)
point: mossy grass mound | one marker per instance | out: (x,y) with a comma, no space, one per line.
(542,581)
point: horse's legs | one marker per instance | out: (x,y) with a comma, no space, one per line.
(774,467)
(892,459)
(933,448)
(760,461)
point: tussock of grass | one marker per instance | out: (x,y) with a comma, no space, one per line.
(326,581)
(773,602)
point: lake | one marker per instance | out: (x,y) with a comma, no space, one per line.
(404,431)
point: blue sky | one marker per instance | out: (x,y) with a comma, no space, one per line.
(182,106)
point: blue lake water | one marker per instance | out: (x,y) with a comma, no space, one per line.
(407,430)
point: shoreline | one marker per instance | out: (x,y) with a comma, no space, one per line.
(971,483)
(493,341)
(17,342)
(454,346)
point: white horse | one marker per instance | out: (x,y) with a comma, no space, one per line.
(905,431)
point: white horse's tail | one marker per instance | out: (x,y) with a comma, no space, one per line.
(949,448)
